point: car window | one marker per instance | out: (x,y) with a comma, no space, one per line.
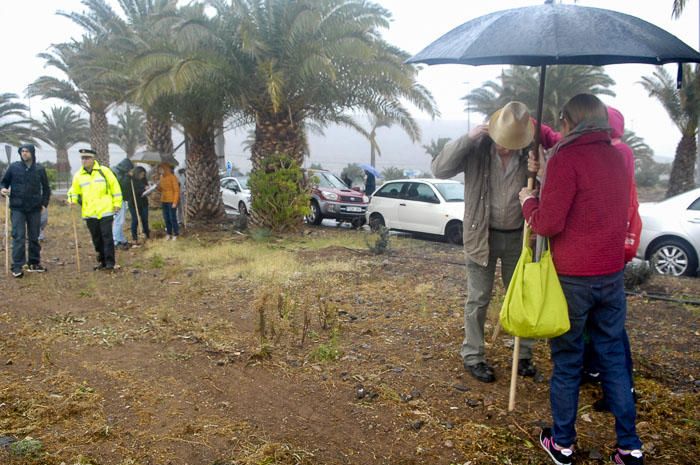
(695,205)
(328,180)
(420,192)
(451,191)
(243,181)
(391,190)
(226,183)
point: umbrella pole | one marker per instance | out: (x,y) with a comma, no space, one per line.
(136,207)
(538,251)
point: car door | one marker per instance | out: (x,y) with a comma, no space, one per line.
(420,209)
(691,223)
(237,192)
(227,193)
(385,201)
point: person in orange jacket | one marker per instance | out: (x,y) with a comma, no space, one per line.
(169,189)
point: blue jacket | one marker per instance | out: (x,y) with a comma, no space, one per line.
(29,185)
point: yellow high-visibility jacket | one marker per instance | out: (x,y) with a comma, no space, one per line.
(98,192)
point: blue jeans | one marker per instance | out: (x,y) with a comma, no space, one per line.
(25,228)
(600,300)
(118,226)
(170,217)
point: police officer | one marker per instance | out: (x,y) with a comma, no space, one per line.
(97,190)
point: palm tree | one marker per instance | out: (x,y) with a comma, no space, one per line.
(76,60)
(683,107)
(678,7)
(129,132)
(392,172)
(379,121)
(62,128)
(522,83)
(14,123)
(435,147)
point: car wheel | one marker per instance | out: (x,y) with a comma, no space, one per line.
(357,223)
(376,222)
(453,233)
(315,216)
(674,258)
(242,208)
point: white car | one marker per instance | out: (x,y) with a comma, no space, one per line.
(235,194)
(670,237)
(426,206)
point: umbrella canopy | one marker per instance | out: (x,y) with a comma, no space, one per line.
(153,158)
(371,169)
(555,34)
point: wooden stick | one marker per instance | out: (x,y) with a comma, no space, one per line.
(75,236)
(138,213)
(7,234)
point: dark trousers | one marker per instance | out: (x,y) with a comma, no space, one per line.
(143,212)
(170,217)
(598,304)
(25,228)
(101,233)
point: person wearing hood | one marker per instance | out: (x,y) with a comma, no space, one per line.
(123,171)
(97,191)
(27,185)
(582,208)
(169,189)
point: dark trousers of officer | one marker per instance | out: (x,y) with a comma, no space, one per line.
(101,233)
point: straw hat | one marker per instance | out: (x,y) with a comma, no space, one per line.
(511,126)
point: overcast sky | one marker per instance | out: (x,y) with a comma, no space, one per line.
(30,26)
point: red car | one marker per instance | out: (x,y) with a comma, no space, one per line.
(331,198)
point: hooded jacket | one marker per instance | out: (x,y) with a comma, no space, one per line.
(121,171)
(29,184)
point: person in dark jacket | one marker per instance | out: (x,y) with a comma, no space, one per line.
(138,204)
(370,183)
(123,171)
(26,183)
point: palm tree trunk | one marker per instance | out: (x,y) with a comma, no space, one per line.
(277,134)
(202,190)
(62,165)
(99,135)
(682,171)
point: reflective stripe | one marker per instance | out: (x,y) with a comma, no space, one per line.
(85,184)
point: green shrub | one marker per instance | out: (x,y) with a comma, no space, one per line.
(280,197)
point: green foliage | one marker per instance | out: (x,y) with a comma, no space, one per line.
(62,128)
(381,243)
(28,447)
(280,198)
(52,174)
(353,172)
(392,172)
(315,166)
(157,261)
(435,147)
(522,83)
(329,351)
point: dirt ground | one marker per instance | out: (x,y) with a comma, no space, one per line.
(322,354)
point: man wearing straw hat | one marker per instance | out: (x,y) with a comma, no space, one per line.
(494,164)
(97,190)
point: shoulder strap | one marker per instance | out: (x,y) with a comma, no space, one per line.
(105,178)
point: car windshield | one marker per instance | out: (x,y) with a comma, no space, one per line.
(451,191)
(243,181)
(328,180)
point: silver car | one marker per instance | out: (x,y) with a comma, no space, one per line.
(671,234)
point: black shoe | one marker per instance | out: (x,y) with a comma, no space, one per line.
(560,455)
(482,372)
(17,274)
(526,368)
(36,268)
(99,266)
(630,457)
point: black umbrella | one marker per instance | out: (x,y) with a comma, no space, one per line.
(555,34)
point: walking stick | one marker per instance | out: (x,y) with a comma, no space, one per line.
(7,232)
(136,207)
(75,236)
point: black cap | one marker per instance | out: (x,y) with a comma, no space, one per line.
(87,152)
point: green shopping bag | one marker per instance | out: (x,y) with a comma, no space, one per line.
(535,306)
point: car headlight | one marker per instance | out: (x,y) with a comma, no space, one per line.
(365,199)
(329,195)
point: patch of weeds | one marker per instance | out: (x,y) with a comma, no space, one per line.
(329,351)
(85,293)
(157,261)
(178,356)
(28,448)
(327,313)
(261,234)
(381,243)
(636,274)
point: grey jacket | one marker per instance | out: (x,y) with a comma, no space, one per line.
(473,158)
